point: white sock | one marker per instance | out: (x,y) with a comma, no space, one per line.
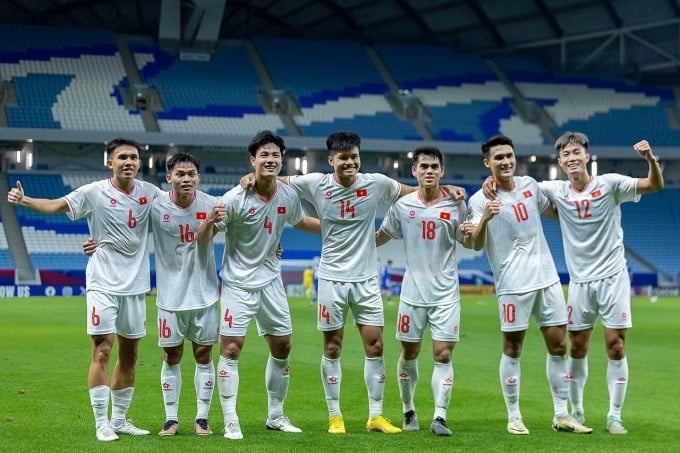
(442,388)
(374,377)
(510,374)
(617,382)
(171,386)
(120,403)
(99,399)
(578,373)
(204,383)
(227,385)
(276,380)
(407,376)
(556,369)
(331,377)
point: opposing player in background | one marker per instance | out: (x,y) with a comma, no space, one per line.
(251,278)
(118,277)
(308,283)
(509,229)
(590,220)
(346,202)
(386,281)
(429,222)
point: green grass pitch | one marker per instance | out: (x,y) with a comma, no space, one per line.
(44,404)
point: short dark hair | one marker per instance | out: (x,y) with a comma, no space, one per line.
(121,141)
(495,141)
(578,138)
(264,138)
(181,157)
(427,151)
(343,141)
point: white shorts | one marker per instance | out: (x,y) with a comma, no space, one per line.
(268,305)
(111,313)
(199,326)
(444,321)
(547,305)
(609,298)
(336,299)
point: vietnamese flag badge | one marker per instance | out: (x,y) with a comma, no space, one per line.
(445,215)
(362,193)
(595,193)
(527,194)
(281,210)
(201,215)
(142,200)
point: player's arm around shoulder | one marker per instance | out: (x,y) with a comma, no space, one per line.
(654,180)
(381,237)
(309,225)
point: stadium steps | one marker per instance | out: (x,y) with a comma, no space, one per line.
(15,240)
(132,73)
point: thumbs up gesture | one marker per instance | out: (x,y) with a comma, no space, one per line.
(16,194)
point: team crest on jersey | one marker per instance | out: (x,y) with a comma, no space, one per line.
(251,212)
(113,202)
(166,217)
(329,194)
(362,192)
(281,210)
(595,193)
(412,214)
(527,194)
(142,200)
(445,215)
(201,215)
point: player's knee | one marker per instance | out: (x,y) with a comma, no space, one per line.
(557,348)
(374,347)
(230,351)
(442,356)
(203,354)
(172,355)
(101,351)
(616,351)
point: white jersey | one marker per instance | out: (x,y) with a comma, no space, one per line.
(430,232)
(254,226)
(347,216)
(590,220)
(119,222)
(186,273)
(515,245)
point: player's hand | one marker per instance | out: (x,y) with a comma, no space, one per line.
(455,192)
(492,209)
(467,228)
(644,149)
(489,188)
(89,247)
(16,194)
(279,251)
(217,214)
(248,181)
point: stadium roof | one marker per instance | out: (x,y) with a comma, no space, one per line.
(640,39)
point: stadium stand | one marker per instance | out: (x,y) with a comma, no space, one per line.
(605,107)
(65,78)
(215,97)
(464,97)
(333,98)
